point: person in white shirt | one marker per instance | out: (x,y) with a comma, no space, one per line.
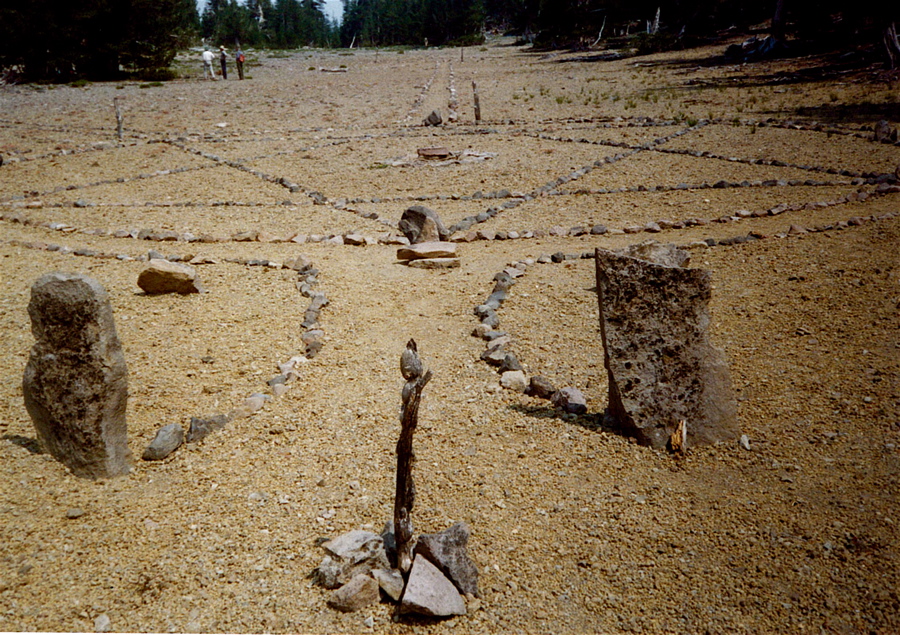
(208,58)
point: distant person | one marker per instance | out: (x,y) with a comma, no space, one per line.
(208,58)
(223,57)
(239,62)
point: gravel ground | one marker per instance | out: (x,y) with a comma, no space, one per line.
(574,528)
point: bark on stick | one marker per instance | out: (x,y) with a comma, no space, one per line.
(416,377)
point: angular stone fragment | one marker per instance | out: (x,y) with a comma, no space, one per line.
(167,440)
(391,582)
(361,591)
(76,381)
(427,250)
(514,380)
(201,426)
(428,592)
(433,119)
(448,551)
(540,387)
(422,225)
(569,399)
(882,133)
(162,276)
(352,553)
(662,368)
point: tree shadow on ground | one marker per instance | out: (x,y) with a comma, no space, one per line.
(860,113)
(24,442)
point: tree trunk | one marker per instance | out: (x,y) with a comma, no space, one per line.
(779,21)
(892,45)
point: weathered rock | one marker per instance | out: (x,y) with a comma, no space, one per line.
(162,276)
(433,119)
(882,132)
(510,362)
(514,380)
(569,399)
(76,381)
(448,551)
(428,592)
(353,553)
(433,153)
(661,366)
(435,263)
(540,387)
(422,225)
(361,591)
(168,439)
(667,255)
(427,250)
(391,582)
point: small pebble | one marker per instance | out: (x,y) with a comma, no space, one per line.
(75,512)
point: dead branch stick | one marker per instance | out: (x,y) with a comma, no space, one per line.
(405,494)
(118,119)
(477,102)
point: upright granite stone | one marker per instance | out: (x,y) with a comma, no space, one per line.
(422,225)
(76,381)
(662,369)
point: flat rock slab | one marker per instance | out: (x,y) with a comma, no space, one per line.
(435,263)
(436,249)
(76,382)
(662,369)
(163,276)
(428,592)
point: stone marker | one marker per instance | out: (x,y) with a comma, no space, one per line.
(76,382)
(433,153)
(427,250)
(428,592)
(168,439)
(422,225)
(882,133)
(162,276)
(448,551)
(361,591)
(662,368)
(433,119)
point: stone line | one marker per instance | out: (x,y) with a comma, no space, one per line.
(863,132)
(470,236)
(498,352)
(552,186)
(420,99)
(453,101)
(307,280)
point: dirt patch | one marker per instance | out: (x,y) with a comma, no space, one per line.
(574,528)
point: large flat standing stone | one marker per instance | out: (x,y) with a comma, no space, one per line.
(662,368)
(428,592)
(427,250)
(76,382)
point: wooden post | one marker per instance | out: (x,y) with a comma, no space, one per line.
(462,53)
(405,494)
(477,101)
(118,119)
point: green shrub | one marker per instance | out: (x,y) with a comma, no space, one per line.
(157,75)
(80,83)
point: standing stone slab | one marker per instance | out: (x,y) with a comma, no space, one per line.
(448,551)
(654,323)
(76,381)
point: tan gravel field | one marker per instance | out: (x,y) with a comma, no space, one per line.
(575,529)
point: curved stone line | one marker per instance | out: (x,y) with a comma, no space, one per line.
(497,350)
(312,338)
(552,186)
